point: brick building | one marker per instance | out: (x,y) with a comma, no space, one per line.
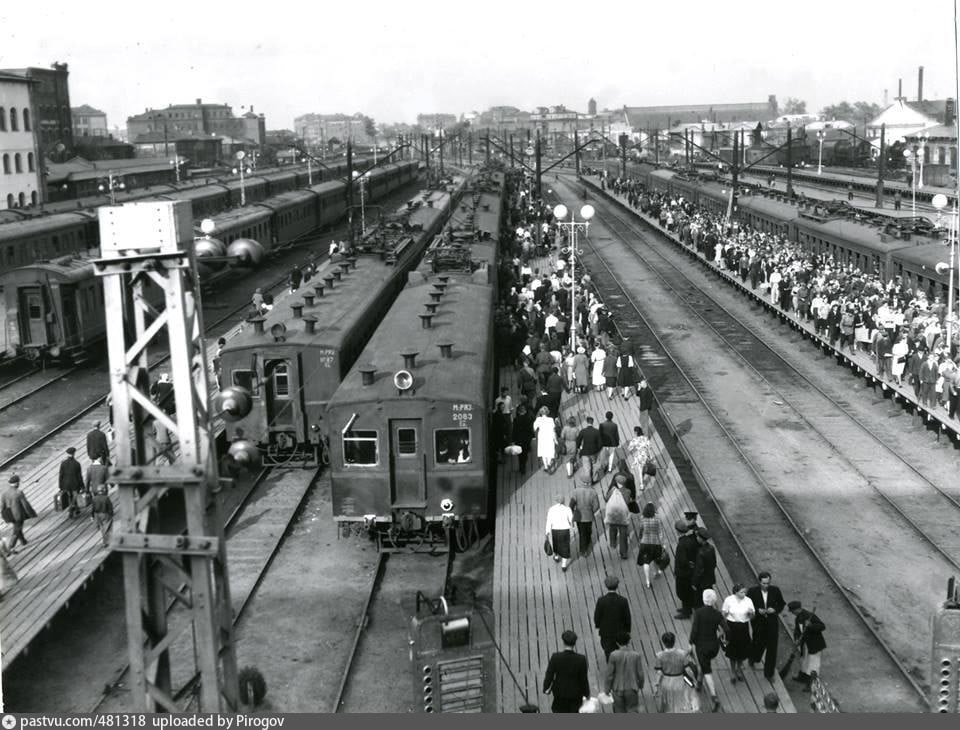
(50,108)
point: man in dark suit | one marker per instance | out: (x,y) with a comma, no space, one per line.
(611,616)
(589,445)
(928,379)
(686,560)
(610,438)
(705,566)
(97,446)
(566,676)
(768,603)
(808,633)
(71,479)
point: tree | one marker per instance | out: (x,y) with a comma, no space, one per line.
(858,111)
(369,127)
(794,106)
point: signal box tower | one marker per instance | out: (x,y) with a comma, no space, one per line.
(148,248)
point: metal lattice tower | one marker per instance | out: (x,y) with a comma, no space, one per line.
(148,257)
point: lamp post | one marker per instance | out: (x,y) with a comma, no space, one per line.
(363,216)
(586,212)
(240,167)
(309,169)
(820,136)
(111,185)
(921,154)
(911,155)
(940,202)
(176,167)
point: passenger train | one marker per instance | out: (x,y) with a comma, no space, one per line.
(32,234)
(872,242)
(410,457)
(54,307)
(292,360)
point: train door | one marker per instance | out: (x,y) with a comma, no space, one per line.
(33,316)
(71,321)
(281,396)
(407,478)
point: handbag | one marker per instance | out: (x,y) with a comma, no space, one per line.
(547,546)
(633,507)
(663,559)
(6,514)
(649,469)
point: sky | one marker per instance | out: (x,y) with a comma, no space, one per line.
(393,60)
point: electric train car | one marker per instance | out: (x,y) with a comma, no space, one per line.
(408,426)
(292,360)
(274,222)
(871,241)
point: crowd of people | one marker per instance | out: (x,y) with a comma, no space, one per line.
(560,346)
(902,328)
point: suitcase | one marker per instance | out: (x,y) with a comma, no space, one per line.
(61,501)
(83,500)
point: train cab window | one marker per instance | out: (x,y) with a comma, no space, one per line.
(360,448)
(406,442)
(453,446)
(281,381)
(243,379)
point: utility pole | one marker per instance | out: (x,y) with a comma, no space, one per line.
(441,152)
(576,148)
(350,188)
(734,170)
(789,161)
(656,145)
(512,162)
(470,146)
(488,145)
(150,245)
(536,151)
(623,155)
(883,160)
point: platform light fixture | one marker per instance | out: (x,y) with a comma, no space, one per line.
(560,212)
(820,135)
(240,168)
(111,185)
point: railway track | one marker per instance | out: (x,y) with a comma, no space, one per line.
(380,641)
(926,507)
(15,392)
(761,520)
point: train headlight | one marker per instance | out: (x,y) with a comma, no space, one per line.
(447,505)
(245,453)
(234,403)
(54,351)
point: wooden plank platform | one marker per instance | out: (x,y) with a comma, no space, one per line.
(64,553)
(535,601)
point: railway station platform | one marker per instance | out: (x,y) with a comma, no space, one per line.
(65,554)
(535,601)
(937,419)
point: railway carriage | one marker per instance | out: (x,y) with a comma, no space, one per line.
(273,222)
(292,360)
(409,442)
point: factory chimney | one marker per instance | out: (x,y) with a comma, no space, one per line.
(920,84)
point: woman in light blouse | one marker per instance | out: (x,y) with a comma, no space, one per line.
(738,610)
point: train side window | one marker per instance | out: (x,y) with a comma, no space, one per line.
(406,442)
(453,446)
(360,448)
(243,379)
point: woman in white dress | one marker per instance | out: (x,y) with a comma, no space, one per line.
(900,350)
(545,428)
(597,358)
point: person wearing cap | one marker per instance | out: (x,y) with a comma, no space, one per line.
(623,679)
(767,603)
(808,635)
(162,394)
(71,480)
(611,615)
(705,565)
(705,639)
(15,509)
(685,561)
(97,446)
(566,677)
